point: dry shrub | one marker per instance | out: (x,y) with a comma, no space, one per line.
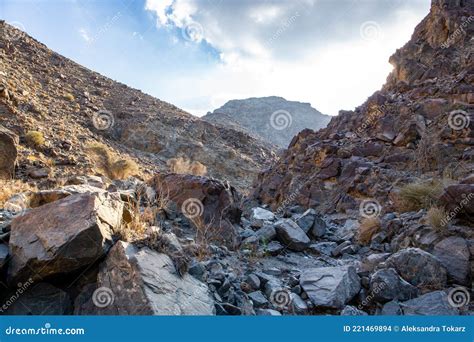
(437,218)
(69,97)
(416,196)
(184,166)
(12,187)
(110,165)
(136,221)
(367,229)
(35,139)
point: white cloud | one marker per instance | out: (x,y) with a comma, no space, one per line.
(85,35)
(303,50)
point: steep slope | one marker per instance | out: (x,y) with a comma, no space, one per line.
(272,118)
(419,125)
(73,106)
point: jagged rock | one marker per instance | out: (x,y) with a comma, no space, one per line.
(298,305)
(459,198)
(258,299)
(200,198)
(3,254)
(453,252)
(274,248)
(262,214)
(430,304)
(419,268)
(306,220)
(266,233)
(291,235)
(330,287)
(325,248)
(319,228)
(8,143)
(145,282)
(63,236)
(391,309)
(253,281)
(41,299)
(350,310)
(386,285)
(370,262)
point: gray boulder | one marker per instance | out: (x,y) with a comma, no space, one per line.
(419,268)
(266,234)
(145,282)
(386,285)
(258,299)
(262,214)
(319,227)
(325,247)
(453,252)
(63,236)
(330,287)
(431,304)
(291,235)
(350,310)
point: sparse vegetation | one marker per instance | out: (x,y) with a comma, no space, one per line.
(416,196)
(184,166)
(12,187)
(69,97)
(367,229)
(110,165)
(436,218)
(35,139)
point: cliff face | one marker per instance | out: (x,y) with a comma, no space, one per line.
(418,125)
(272,119)
(73,106)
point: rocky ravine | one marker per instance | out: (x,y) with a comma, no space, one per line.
(272,119)
(72,106)
(323,233)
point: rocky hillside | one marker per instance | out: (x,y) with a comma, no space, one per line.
(72,106)
(272,119)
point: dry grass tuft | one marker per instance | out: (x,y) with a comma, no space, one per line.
(437,218)
(110,165)
(12,187)
(367,229)
(69,97)
(35,139)
(416,196)
(184,166)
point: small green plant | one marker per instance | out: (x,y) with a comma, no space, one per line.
(112,167)
(35,139)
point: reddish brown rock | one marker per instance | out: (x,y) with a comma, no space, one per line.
(8,154)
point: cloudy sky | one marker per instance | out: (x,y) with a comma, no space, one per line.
(198,54)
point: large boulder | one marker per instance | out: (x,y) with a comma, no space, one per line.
(453,252)
(8,155)
(386,285)
(331,287)
(459,199)
(419,268)
(209,201)
(144,282)
(430,304)
(291,235)
(63,236)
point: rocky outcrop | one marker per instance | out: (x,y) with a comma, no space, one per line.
(8,156)
(63,236)
(272,119)
(144,282)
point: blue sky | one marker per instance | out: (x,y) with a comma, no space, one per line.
(197,54)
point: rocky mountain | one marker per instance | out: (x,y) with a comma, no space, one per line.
(372,215)
(72,106)
(272,119)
